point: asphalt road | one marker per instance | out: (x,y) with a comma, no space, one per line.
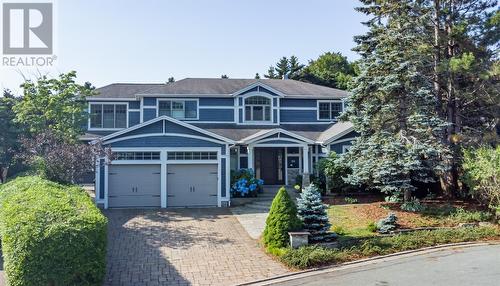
(461,266)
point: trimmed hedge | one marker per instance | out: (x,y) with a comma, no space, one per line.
(51,234)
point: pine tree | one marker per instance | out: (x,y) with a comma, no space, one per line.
(295,67)
(392,105)
(312,213)
(282,68)
(271,73)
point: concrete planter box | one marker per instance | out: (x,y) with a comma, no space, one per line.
(299,238)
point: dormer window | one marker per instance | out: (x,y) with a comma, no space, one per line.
(257,108)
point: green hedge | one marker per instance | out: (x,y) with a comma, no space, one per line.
(51,234)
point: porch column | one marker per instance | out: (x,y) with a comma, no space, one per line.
(305,166)
(250,157)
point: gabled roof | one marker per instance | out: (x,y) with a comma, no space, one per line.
(262,135)
(217,87)
(123,90)
(167,118)
(336,131)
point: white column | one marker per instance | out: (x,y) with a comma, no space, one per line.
(250,157)
(163,179)
(305,159)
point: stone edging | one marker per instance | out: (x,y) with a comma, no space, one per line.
(371,260)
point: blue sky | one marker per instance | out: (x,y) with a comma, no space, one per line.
(149,41)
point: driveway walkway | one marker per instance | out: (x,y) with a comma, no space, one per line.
(183,247)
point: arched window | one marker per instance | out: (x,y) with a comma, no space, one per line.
(257,108)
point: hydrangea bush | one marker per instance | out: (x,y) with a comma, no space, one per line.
(244,183)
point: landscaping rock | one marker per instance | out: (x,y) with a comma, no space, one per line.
(467,224)
(486,223)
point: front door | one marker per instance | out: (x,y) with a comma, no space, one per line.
(269,164)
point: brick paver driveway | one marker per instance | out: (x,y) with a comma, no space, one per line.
(182,247)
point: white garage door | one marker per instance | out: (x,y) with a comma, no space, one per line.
(190,185)
(134,186)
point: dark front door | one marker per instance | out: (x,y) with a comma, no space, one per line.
(269,164)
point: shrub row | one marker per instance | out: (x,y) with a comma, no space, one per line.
(51,234)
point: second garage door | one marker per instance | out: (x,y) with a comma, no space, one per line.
(191,185)
(134,186)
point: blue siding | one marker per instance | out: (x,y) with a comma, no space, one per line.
(101,179)
(261,89)
(337,147)
(240,101)
(216,102)
(223,177)
(275,116)
(148,114)
(156,127)
(351,134)
(176,128)
(240,115)
(298,116)
(275,102)
(149,101)
(285,102)
(251,90)
(134,104)
(134,117)
(216,114)
(164,141)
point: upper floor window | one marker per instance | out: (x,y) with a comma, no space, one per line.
(257,108)
(108,115)
(329,110)
(179,109)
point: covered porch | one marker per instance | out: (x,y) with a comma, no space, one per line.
(277,156)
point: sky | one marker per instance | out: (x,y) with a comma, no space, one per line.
(152,40)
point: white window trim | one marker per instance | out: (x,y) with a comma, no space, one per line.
(253,122)
(89,128)
(184,107)
(328,101)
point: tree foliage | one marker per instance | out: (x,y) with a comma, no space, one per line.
(9,133)
(312,213)
(425,87)
(330,69)
(285,68)
(59,160)
(392,106)
(56,104)
(282,219)
(482,174)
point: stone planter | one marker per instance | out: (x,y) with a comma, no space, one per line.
(299,238)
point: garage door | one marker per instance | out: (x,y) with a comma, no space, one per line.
(134,186)
(191,185)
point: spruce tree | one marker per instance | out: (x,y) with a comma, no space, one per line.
(312,213)
(392,105)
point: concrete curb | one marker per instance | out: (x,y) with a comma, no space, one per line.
(366,261)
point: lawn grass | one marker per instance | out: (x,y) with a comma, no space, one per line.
(353,249)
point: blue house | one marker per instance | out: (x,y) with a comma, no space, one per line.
(175,144)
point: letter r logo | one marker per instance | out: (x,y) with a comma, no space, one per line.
(27,28)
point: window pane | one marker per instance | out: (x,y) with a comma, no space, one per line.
(258,100)
(267,113)
(248,113)
(336,109)
(95,115)
(164,108)
(109,116)
(191,107)
(258,113)
(178,109)
(324,110)
(120,116)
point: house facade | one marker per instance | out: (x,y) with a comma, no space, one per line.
(175,144)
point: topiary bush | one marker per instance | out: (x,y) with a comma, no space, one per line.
(282,218)
(51,234)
